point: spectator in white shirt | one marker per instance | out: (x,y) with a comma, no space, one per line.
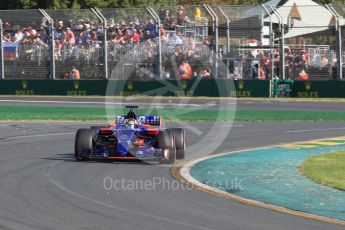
(18,36)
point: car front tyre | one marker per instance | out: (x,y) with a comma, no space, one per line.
(166,141)
(180,143)
(83,144)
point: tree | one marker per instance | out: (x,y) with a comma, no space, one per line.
(92,3)
(216,2)
(58,4)
(62,4)
(11,4)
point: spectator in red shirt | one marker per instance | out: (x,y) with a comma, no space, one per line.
(184,70)
(74,74)
(303,76)
(262,73)
(136,37)
(162,31)
(205,73)
(69,37)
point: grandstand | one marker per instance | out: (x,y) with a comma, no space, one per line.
(150,43)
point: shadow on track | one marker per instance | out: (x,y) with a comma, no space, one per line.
(69,157)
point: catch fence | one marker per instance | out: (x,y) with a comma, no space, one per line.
(218,41)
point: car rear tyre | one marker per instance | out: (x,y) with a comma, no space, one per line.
(180,143)
(83,144)
(166,141)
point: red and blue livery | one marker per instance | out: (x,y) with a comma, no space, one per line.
(131,137)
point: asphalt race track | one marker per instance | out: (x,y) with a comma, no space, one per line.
(43,187)
(242,104)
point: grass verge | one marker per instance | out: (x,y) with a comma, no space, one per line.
(170,114)
(100,114)
(327,169)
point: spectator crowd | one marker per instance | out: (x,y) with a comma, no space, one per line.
(134,39)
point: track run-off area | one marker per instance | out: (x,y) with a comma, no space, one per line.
(43,187)
(271,175)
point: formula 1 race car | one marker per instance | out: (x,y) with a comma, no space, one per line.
(131,137)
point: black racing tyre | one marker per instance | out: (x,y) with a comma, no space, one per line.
(83,144)
(166,140)
(94,129)
(180,143)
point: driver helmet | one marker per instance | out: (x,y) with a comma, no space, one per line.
(130,124)
(131,115)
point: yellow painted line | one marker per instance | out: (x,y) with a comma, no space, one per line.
(181,172)
(298,146)
(312,144)
(338,139)
(327,143)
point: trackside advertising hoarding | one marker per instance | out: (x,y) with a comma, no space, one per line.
(182,88)
(189,88)
(318,89)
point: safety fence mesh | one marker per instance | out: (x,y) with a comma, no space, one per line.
(162,42)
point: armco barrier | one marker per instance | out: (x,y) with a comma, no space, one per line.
(193,88)
(318,89)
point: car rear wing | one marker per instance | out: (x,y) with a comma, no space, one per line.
(131,107)
(146,120)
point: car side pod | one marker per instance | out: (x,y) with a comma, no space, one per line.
(95,129)
(152,131)
(106,131)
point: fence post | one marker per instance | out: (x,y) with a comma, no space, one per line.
(216,41)
(228,42)
(51,43)
(262,22)
(214,49)
(159,42)
(339,41)
(271,40)
(2,51)
(159,53)
(105,40)
(282,42)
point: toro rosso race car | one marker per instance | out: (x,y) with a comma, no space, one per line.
(131,137)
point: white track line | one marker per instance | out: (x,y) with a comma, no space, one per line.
(118,208)
(101,103)
(38,135)
(312,130)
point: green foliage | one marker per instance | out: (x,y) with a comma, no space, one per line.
(56,4)
(76,4)
(214,2)
(11,4)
